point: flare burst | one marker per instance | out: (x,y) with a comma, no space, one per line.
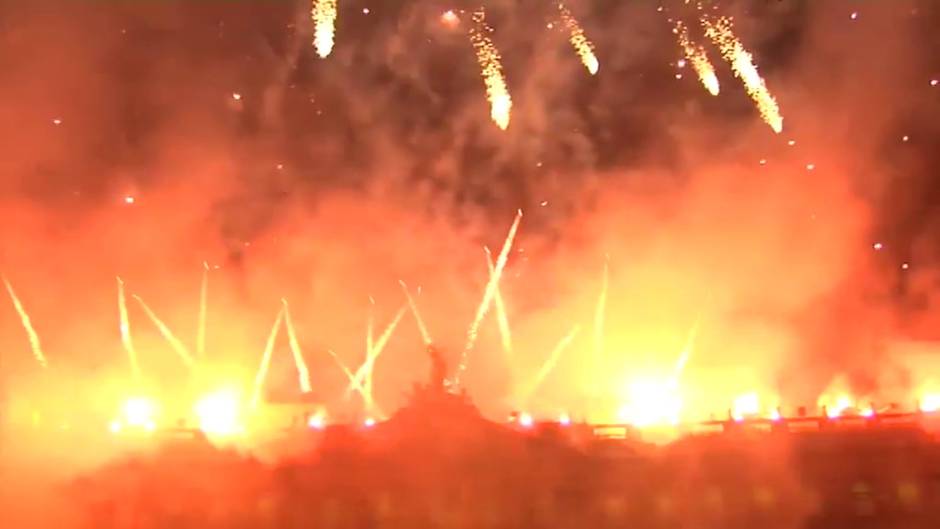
(696,55)
(582,46)
(324,20)
(497,92)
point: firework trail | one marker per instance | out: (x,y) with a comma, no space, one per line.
(696,55)
(363,375)
(492,71)
(550,362)
(422,328)
(501,317)
(302,371)
(582,46)
(203,310)
(125,327)
(266,360)
(28,326)
(488,295)
(168,335)
(357,386)
(687,349)
(324,20)
(720,32)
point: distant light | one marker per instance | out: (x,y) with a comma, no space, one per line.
(564,419)
(877,246)
(905,266)
(678,76)
(369,423)
(236,96)
(775,415)
(316,422)
(56,121)
(934,82)
(930,403)
(681,63)
(810,166)
(550,25)
(365,10)
(867,413)
(129,199)
(450,19)
(854,15)
(763,161)
(543,203)
(115,427)
(525,420)
(905,138)
(791,143)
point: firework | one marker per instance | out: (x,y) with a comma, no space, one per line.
(168,335)
(125,328)
(203,310)
(582,46)
(324,20)
(720,32)
(497,92)
(501,316)
(698,58)
(422,328)
(302,371)
(266,360)
(488,295)
(550,362)
(28,326)
(687,349)
(363,375)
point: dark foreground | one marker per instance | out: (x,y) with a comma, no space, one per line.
(438,464)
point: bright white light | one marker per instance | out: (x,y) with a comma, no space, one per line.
(218,413)
(564,419)
(316,422)
(525,420)
(369,423)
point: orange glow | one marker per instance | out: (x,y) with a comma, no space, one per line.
(219,413)
(652,402)
(450,19)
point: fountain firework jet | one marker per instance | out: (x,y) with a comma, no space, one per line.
(491,68)
(167,334)
(582,46)
(501,316)
(549,363)
(323,14)
(422,328)
(363,375)
(687,349)
(367,400)
(266,360)
(732,51)
(488,294)
(302,372)
(203,310)
(125,328)
(28,326)
(696,55)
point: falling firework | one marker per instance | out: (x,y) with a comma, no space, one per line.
(168,335)
(203,310)
(698,58)
(266,360)
(492,71)
(600,314)
(28,326)
(550,362)
(324,20)
(582,46)
(302,371)
(422,328)
(488,295)
(125,327)
(501,316)
(720,32)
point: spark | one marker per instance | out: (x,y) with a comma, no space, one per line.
(582,46)
(324,19)
(687,349)
(236,96)
(491,69)
(450,19)
(550,363)
(905,266)
(422,328)
(699,58)
(302,371)
(28,326)
(266,360)
(488,294)
(203,311)
(877,246)
(168,335)
(502,319)
(721,33)
(129,199)
(125,328)
(56,121)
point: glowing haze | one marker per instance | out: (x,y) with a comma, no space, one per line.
(327,182)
